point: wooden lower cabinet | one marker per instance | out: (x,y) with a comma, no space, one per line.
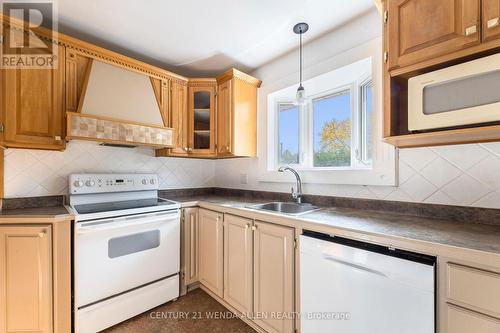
(191,245)
(211,250)
(249,265)
(238,263)
(274,276)
(26,279)
(460,320)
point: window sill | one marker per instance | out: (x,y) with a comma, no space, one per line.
(347,176)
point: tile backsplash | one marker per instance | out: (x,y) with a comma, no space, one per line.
(39,173)
(464,175)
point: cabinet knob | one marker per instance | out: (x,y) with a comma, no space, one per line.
(471,30)
(57,138)
(41,234)
(254,227)
(247,226)
(185,149)
(493,23)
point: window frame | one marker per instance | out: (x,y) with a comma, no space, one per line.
(362,156)
(306,127)
(280,102)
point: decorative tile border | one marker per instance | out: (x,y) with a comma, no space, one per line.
(88,127)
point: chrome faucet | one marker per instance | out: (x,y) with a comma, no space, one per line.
(296,195)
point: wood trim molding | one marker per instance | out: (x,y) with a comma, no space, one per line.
(84,86)
(234,73)
(156,84)
(202,82)
(93,51)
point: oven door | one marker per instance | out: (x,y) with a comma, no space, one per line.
(465,94)
(119,254)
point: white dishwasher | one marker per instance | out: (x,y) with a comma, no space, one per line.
(353,287)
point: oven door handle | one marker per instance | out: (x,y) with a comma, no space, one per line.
(125,222)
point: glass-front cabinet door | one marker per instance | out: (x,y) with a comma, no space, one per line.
(202,119)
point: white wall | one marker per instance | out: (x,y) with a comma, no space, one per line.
(39,172)
(461,175)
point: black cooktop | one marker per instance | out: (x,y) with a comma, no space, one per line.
(120,205)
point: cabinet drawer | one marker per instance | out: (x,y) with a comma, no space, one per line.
(474,287)
(464,321)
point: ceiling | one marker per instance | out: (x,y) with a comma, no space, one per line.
(197,37)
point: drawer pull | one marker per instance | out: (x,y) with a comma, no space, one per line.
(471,30)
(493,23)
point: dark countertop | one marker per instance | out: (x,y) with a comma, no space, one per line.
(473,236)
(45,212)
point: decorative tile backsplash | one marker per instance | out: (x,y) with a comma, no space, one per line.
(39,173)
(465,175)
(88,127)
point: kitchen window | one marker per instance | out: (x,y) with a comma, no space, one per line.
(288,134)
(336,137)
(332,131)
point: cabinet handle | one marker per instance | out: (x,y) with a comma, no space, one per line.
(386,56)
(57,138)
(493,23)
(254,227)
(471,30)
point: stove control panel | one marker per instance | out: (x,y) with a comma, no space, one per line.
(104,183)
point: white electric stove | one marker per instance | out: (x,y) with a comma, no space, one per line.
(126,248)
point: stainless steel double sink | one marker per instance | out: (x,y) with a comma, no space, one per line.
(289,208)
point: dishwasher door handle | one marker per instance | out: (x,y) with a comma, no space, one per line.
(354,265)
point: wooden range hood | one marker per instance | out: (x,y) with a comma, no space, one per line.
(118,106)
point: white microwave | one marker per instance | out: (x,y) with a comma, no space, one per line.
(464,94)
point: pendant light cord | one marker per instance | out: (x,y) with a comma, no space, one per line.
(300,57)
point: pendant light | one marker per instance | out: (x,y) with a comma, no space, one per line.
(300,29)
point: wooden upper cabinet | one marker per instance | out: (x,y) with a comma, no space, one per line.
(224,118)
(211,250)
(237,114)
(33,106)
(179,117)
(420,30)
(26,279)
(238,262)
(201,116)
(491,19)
